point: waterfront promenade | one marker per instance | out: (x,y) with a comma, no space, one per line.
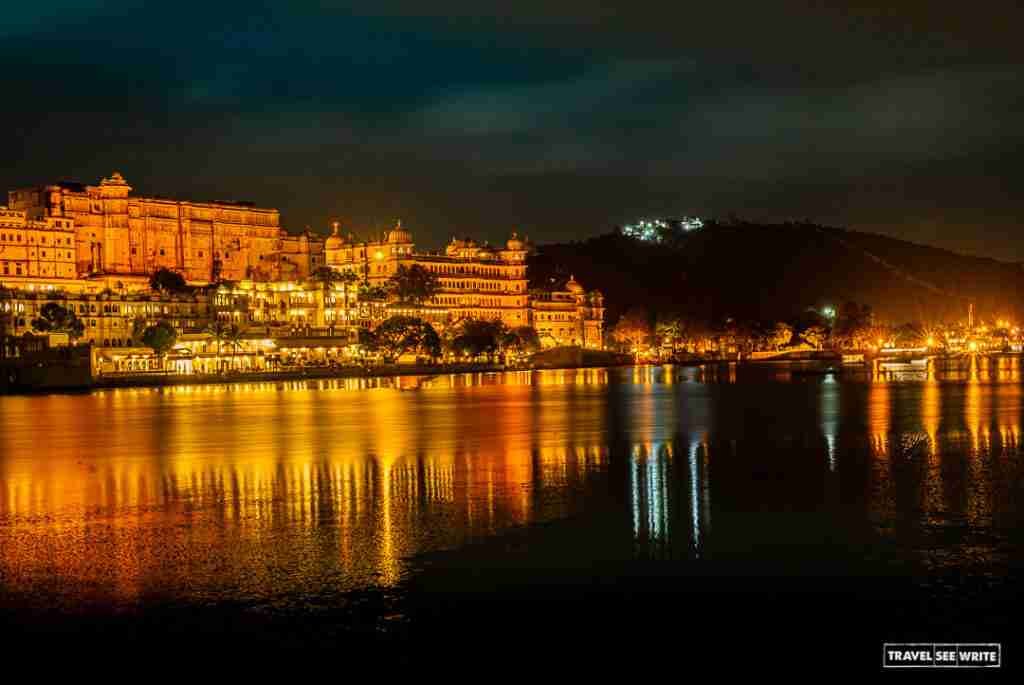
(60,374)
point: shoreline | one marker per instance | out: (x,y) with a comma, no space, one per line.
(348,372)
(60,383)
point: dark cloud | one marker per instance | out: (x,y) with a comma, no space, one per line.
(558,118)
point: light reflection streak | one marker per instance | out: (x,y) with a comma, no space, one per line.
(694,496)
(880,408)
(830,408)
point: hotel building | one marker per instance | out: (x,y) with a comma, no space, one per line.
(568,317)
(109,318)
(476,280)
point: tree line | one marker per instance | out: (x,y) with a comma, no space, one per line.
(850,326)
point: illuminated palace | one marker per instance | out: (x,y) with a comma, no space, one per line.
(117,233)
(477,281)
(94,247)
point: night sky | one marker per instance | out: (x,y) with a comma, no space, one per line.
(559,118)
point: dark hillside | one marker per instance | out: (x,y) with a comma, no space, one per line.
(776,271)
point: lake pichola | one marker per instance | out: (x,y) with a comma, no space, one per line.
(262,501)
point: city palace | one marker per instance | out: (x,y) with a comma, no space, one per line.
(93,248)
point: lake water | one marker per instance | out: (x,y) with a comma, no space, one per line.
(290,495)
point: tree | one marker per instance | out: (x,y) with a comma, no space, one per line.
(368,340)
(815,336)
(401,334)
(371,292)
(328,277)
(325,276)
(473,337)
(165,280)
(348,279)
(160,337)
(632,329)
(234,339)
(53,318)
(522,339)
(668,330)
(781,334)
(413,284)
(853,322)
(914,335)
(138,328)
(224,332)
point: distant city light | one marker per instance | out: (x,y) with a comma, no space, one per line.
(658,230)
(829,312)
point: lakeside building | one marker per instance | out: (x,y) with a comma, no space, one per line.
(571,316)
(297,306)
(116,232)
(477,281)
(92,248)
(109,318)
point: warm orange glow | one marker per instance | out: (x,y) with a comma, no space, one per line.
(266,458)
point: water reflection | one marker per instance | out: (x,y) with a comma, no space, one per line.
(271,491)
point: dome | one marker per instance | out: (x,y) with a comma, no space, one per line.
(399,234)
(514,243)
(573,285)
(335,241)
(454,246)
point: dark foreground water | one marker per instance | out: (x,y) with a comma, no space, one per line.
(693,514)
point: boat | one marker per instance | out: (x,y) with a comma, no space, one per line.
(904,365)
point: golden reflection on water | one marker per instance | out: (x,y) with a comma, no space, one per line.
(122,491)
(266,490)
(879,412)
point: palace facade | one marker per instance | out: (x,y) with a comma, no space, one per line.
(571,316)
(109,318)
(476,280)
(85,244)
(117,233)
(43,248)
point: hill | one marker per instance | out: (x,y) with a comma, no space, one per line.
(775,272)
